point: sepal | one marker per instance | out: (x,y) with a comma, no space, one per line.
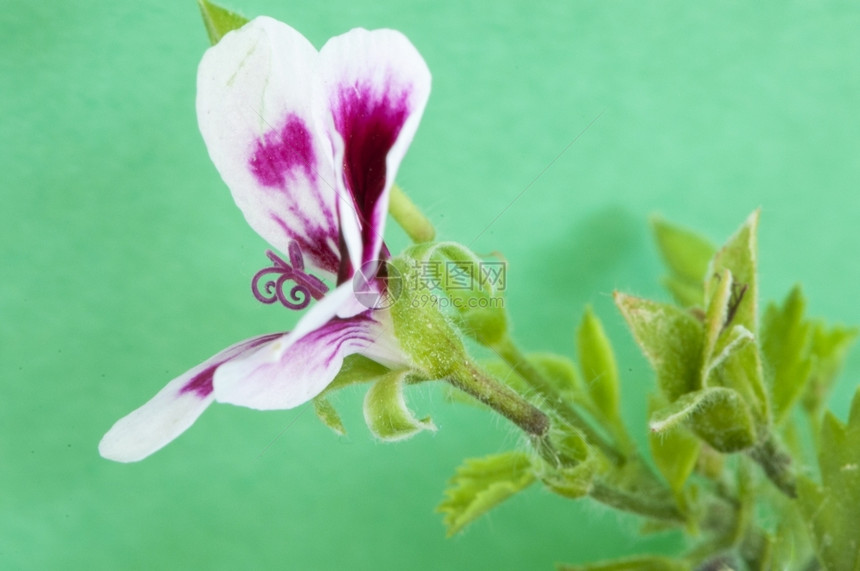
(218,20)
(329,416)
(386,413)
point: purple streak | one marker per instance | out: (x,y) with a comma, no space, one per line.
(369,123)
(280,152)
(201,383)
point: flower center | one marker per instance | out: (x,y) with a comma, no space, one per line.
(306,286)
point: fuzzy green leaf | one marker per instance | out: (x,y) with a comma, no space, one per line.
(718,415)
(829,348)
(786,337)
(328,415)
(386,413)
(675,451)
(720,290)
(670,338)
(686,255)
(480,484)
(686,294)
(737,365)
(740,256)
(218,20)
(598,365)
(833,509)
(637,563)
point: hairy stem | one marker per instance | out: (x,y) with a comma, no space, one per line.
(502,399)
(641,504)
(518,362)
(776,464)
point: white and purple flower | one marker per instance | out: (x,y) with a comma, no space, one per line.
(309,143)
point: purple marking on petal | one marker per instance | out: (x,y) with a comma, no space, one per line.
(280,152)
(369,124)
(339,331)
(315,245)
(201,383)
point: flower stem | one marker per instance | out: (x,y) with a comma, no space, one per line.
(409,216)
(511,354)
(473,381)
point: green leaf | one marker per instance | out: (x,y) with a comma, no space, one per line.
(327,413)
(386,413)
(737,365)
(686,255)
(675,451)
(829,348)
(598,365)
(720,291)
(686,294)
(670,338)
(833,509)
(740,255)
(560,371)
(718,415)
(218,20)
(785,344)
(480,484)
(637,563)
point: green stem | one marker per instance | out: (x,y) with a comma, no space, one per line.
(776,464)
(410,218)
(518,362)
(473,381)
(641,504)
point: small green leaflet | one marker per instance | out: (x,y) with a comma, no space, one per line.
(481,484)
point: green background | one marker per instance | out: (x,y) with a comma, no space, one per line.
(125,261)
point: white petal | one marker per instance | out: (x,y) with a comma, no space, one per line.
(170,412)
(262,125)
(377,86)
(296,368)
